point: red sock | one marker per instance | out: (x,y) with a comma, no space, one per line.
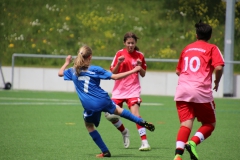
(142,134)
(121,128)
(203,133)
(182,138)
(118,124)
(183,134)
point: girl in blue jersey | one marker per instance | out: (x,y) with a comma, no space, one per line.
(94,99)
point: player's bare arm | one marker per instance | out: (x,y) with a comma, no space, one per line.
(142,71)
(64,66)
(120,60)
(177,72)
(125,74)
(218,75)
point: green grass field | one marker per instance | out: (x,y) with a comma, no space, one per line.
(38,125)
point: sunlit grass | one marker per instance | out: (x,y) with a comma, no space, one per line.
(49,125)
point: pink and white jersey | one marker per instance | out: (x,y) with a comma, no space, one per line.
(129,86)
(196,65)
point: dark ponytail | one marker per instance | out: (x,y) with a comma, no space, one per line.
(136,48)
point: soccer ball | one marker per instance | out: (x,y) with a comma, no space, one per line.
(111,117)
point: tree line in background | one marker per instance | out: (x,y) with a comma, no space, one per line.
(61,27)
(212,12)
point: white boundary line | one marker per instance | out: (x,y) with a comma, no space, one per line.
(27,101)
(37,99)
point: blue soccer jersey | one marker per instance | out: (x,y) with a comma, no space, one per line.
(87,84)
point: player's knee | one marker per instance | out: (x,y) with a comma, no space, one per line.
(89,126)
(210,125)
(111,117)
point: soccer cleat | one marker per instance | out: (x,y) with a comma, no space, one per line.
(191,148)
(126,141)
(104,154)
(147,125)
(145,147)
(177,157)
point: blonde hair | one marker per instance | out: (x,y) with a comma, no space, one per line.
(81,62)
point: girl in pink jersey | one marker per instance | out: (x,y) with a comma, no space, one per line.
(128,89)
(193,95)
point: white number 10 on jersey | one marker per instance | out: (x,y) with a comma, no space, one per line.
(191,67)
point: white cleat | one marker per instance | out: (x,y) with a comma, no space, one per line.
(126,141)
(145,147)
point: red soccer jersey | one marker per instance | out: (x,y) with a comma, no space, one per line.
(129,86)
(196,65)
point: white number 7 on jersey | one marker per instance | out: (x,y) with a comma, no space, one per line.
(86,80)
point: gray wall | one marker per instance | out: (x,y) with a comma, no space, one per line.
(154,83)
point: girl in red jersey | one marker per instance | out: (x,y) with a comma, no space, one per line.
(193,96)
(128,89)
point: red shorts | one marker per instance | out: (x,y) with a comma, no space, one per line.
(130,101)
(204,112)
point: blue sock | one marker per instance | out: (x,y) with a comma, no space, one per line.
(128,115)
(98,140)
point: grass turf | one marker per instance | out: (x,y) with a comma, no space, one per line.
(49,125)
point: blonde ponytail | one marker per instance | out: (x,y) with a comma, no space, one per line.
(81,62)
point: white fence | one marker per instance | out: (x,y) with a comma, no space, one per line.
(46,79)
(154,83)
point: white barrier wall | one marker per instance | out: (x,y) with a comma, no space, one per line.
(154,83)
